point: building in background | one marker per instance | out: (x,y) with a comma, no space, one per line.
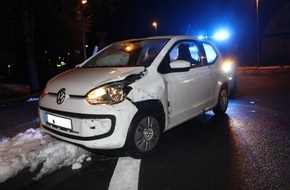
(275,44)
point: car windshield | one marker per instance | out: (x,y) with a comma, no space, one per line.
(127,54)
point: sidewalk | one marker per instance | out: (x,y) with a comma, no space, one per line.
(263,69)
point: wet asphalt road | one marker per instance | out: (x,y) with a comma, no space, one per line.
(246,149)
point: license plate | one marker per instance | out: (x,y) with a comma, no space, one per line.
(58,121)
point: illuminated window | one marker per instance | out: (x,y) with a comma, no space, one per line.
(210,52)
(187,51)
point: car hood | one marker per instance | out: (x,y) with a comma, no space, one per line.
(80,81)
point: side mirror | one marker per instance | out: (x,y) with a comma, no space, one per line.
(180,64)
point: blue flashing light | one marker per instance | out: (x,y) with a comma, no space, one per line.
(201,37)
(221,35)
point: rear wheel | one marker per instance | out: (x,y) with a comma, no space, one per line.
(143,136)
(222,104)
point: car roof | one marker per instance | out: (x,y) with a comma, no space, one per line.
(170,37)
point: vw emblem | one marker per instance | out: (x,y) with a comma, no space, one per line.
(60,96)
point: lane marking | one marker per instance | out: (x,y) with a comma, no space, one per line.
(126,174)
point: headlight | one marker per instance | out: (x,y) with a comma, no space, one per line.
(227,66)
(108,94)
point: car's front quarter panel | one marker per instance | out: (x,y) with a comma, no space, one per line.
(151,86)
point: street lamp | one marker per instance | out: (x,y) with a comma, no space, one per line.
(9,70)
(258,48)
(83,29)
(155,27)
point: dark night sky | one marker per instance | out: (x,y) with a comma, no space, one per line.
(192,17)
(195,17)
(134,19)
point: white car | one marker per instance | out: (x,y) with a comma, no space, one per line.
(132,91)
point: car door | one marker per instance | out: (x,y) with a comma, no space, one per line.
(187,89)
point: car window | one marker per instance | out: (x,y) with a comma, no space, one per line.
(127,53)
(184,50)
(187,51)
(210,53)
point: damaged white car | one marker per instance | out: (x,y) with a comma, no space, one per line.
(130,92)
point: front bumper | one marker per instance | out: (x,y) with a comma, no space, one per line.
(96,127)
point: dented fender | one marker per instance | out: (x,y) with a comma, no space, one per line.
(150,88)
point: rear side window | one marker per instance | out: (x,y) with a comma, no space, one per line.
(210,53)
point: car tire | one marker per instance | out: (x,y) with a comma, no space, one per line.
(144,135)
(222,104)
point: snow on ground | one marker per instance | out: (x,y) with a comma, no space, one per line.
(31,148)
(37,151)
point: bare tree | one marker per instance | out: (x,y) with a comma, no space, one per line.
(102,13)
(18,23)
(53,26)
(26,9)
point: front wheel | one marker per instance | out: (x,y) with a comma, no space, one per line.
(143,136)
(222,104)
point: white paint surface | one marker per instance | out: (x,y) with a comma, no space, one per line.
(126,174)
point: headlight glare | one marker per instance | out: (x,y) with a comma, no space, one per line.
(227,66)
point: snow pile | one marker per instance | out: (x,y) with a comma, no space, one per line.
(30,149)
